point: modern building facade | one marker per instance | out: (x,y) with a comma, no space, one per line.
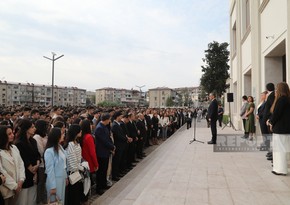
(40,95)
(125,97)
(260,48)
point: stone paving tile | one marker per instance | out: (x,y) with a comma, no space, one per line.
(177,172)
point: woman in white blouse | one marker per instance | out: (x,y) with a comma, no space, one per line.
(74,156)
(12,166)
(164,122)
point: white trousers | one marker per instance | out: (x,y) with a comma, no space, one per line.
(281,148)
(27,196)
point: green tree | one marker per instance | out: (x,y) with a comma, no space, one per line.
(215,70)
(169,102)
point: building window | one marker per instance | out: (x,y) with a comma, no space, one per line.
(234,39)
(246,16)
(155,98)
(247,13)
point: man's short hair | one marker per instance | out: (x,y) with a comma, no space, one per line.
(270,87)
(105,116)
(34,111)
(245,97)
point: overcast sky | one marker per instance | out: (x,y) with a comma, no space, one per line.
(109,43)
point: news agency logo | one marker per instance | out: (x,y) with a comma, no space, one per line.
(235,143)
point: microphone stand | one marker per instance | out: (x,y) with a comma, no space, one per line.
(194,132)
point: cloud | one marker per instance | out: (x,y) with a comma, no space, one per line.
(109,42)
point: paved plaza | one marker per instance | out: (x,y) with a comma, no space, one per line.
(178,173)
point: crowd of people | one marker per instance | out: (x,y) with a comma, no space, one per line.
(273,116)
(60,153)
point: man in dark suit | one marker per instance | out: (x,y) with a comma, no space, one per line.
(149,128)
(104,148)
(132,133)
(212,116)
(270,87)
(120,141)
(188,117)
(140,124)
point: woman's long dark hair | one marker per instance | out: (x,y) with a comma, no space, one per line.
(72,132)
(53,138)
(24,126)
(4,137)
(86,129)
(41,128)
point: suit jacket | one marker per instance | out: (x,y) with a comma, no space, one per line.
(54,167)
(212,112)
(260,111)
(142,128)
(29,154)
(281,116)
(268,105)
(155,122)
(148,121)
(104,144)
(12,162)
(124,128)
(132,130)
(119,135)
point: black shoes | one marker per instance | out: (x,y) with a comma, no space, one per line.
(99,192)
(280,174)
(211,142)
(269,154)
(115,179)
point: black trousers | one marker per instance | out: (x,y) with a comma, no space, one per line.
(102,173)
(131,153)
(213,130)
(139,147)
(117,159)
(149,137)
(189,122)
(74,193)
(220,120)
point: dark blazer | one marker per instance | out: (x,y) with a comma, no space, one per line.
(281,116)
(119,135)
(260,111)
(267,106)
(124,128)
(212,112)
(104,144)
(29,154)
(148,121)
(132,130)
(141,127)
(155,121)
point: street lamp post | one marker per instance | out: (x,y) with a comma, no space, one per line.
(52,84)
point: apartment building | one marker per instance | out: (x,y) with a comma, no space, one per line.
(260,48)
(189,96)
(12,93)
(158,96)
(125,97)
